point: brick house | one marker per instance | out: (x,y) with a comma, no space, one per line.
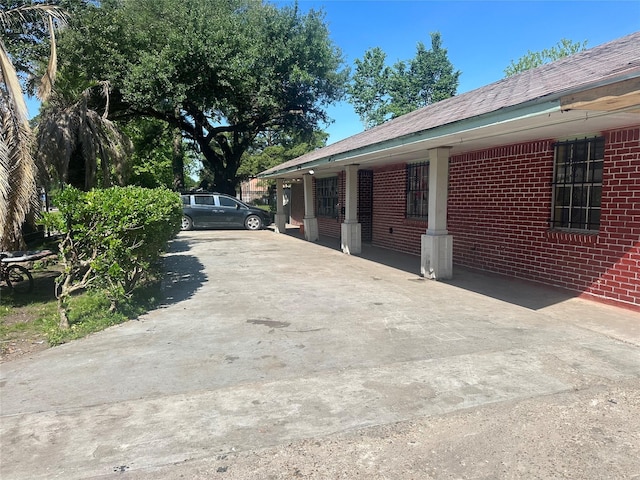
(536,176)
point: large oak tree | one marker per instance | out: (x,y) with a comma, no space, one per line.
(222,71)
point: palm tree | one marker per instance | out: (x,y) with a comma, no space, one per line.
(76,140)
(18,170)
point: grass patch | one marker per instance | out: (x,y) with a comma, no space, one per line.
(24,325)
(5,310)
(33,319)
(89,313)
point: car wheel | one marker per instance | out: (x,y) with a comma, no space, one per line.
(253,222)
(187,223)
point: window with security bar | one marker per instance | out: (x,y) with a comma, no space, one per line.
(327,197)
(577,184)
(418,190)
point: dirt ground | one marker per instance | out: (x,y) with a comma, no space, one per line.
(585,434)
(23,342)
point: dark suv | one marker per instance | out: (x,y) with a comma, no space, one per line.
(216,210)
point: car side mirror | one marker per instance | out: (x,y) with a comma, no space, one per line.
(237,206)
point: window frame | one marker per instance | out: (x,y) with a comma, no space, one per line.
(578,167)
(417,191)
(198,200)
(233,203)
(327,197)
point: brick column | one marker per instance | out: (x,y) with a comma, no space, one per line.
(436,256)
(281,218)
(310,221)
(351,230)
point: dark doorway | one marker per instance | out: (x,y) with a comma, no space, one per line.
(365,204)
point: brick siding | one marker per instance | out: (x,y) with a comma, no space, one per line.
(390,227)
(499,209)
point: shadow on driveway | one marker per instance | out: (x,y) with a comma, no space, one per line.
(184,274)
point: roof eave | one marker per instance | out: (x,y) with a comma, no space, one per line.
(545,105)
(502,116)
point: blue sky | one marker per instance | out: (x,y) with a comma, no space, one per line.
(482,37)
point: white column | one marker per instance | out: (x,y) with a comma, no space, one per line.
(310,221)
(437,245)
(351,230)
(281,218)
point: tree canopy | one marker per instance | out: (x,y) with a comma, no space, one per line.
(274,147)
(563,48)
(222,71)
(379,92)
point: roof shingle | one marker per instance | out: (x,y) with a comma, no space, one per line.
(598,65)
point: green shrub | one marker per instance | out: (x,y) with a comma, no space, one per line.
(112,239)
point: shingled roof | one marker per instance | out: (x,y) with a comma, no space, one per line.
(607,63)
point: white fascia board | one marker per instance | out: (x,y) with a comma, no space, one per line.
(475,124)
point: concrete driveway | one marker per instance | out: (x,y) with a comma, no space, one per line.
(277,358)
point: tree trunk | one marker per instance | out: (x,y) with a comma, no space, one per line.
(223,170)
(178,161)
(62,312)
(76,171)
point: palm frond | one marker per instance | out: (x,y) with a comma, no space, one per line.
(4,170)
(55,139)
(18,16)
(19,194)
(65,130)
(14,98)
(17,169)
(46,82)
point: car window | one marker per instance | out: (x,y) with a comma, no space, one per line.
(185,199)
(227,202)
(204,200)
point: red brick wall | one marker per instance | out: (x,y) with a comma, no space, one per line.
(499,209)
(390,227)
(620,224)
